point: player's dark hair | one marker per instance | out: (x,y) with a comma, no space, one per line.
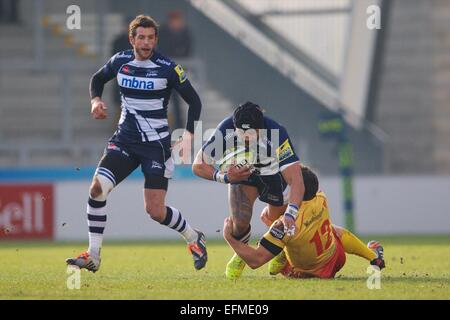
(142,21)
(248,116)
(311,183)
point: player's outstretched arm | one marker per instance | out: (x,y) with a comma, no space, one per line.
(253,257)
(293,177)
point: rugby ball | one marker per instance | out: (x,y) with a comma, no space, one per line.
(238,157)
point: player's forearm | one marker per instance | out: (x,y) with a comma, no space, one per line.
(247,253)
(202,169)
(193,115)
(191,97)
(293,178)
(297,192)
(96,86)
(95,99)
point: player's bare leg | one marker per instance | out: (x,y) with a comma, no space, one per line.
(154,202)
(241,199)
(171,217)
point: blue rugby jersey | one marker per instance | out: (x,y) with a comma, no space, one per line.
(145,88)
(275,151)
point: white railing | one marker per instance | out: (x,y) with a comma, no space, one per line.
(270,52)
(300,71)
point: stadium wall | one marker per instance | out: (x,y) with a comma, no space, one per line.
(54,208)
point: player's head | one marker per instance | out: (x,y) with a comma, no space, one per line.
(143,35)
(248,117)
(311,183)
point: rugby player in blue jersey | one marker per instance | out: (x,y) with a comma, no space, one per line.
(270,171)
(145,79)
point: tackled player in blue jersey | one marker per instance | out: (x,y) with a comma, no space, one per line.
(263,164)
(145,79)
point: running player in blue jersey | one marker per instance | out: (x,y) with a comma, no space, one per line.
(265,167)
(145,79)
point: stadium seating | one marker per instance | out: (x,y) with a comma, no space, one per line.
(414,89)
(45,112)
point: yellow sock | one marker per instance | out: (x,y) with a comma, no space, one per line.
(355,246)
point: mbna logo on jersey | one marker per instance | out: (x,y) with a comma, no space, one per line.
(136,83)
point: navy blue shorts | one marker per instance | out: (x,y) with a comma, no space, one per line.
(272,189)
(122,158)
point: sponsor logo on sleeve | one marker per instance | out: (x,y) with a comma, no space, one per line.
(181,73)
(285,151)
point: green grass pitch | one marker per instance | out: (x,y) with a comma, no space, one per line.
(417,268)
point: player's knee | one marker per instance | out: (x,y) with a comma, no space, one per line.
(95,190)
(156,212)
(100,188)
(196,167)
(254,266)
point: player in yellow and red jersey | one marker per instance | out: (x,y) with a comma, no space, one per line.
(317,248)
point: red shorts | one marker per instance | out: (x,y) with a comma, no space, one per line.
(328,271)
(336,262)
